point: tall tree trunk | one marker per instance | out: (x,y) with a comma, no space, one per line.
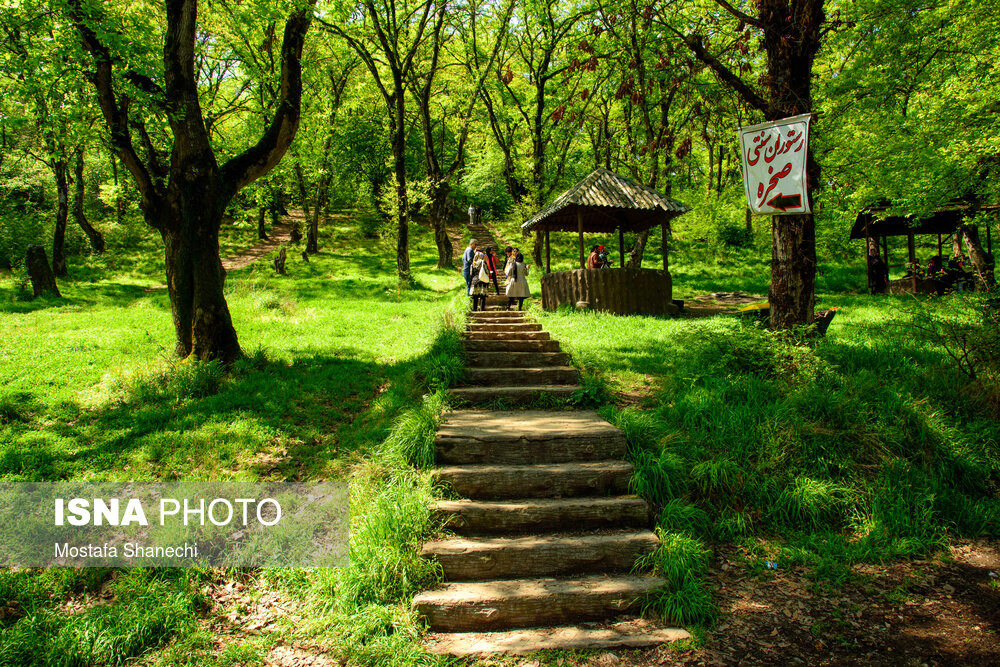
(300,181)
(185,199)
(96,237)
(440,192)
(195,283)
(398,128)
(60,169)
(980,260)
(262,223)
(791,39)
(956,247)
(718,188)
(635,254)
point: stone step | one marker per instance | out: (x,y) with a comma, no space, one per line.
(633,633)
(483,517)
(478,558)
(506,335)
(516,377)
(524,603)
(526,436)
(503,326)
(516,359)
(475,315)
(520,395)
(498,320)
(510,345)
(550,480)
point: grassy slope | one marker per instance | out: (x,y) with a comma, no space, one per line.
(91,391)
(865,445)
(336,354)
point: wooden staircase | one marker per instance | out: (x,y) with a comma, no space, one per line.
(511,358)
(546,533)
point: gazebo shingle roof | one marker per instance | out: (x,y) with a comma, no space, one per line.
(607,201)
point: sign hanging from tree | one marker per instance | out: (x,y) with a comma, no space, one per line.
(774,165)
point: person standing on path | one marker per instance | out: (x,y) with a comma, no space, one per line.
(472,214)
(491,267)
(467,257)
(480,285)
(517,285)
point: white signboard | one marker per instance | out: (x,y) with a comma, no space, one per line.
(774,165)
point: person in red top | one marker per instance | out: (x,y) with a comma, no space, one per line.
(491,265)
(595,260)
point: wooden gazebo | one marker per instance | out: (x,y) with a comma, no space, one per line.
(602,203)
(943,222)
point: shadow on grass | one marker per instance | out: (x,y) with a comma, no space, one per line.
(274,421)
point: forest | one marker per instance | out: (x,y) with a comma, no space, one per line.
(231,237)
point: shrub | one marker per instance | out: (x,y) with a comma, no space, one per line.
(735,236)
(812,504)
(678,516)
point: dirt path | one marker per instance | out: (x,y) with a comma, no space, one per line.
(280,233)
(923,613)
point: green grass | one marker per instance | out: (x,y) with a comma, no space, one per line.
(863,446)
(90,388)
(338,359)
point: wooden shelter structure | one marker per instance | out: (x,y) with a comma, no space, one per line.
(602,203)
(943,222)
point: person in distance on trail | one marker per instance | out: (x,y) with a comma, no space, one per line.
(467,262)
(472,214)
(517,283)
(491,263)
(480,284)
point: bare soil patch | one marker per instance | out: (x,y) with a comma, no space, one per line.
(940,611)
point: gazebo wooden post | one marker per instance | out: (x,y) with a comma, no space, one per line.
(621,245)
(579,230)
(548,252)
(912,251)
(989,241)
(867,254)
(885,255)
(939,245)
(663,245)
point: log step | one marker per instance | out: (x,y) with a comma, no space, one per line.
(481,517)
(516,359)
(500,313)
(516,377)
(513,395)
(505,326)
(523,603)
(635,633)
(537,481)
(510,345)
(527,436)
(478,558)
(506,335)
(498,317)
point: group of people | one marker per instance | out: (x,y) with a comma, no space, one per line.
(950,275)
(480,268)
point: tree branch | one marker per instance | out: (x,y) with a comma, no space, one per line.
(749,95)
(115,112)
(746,18)
(257,160)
